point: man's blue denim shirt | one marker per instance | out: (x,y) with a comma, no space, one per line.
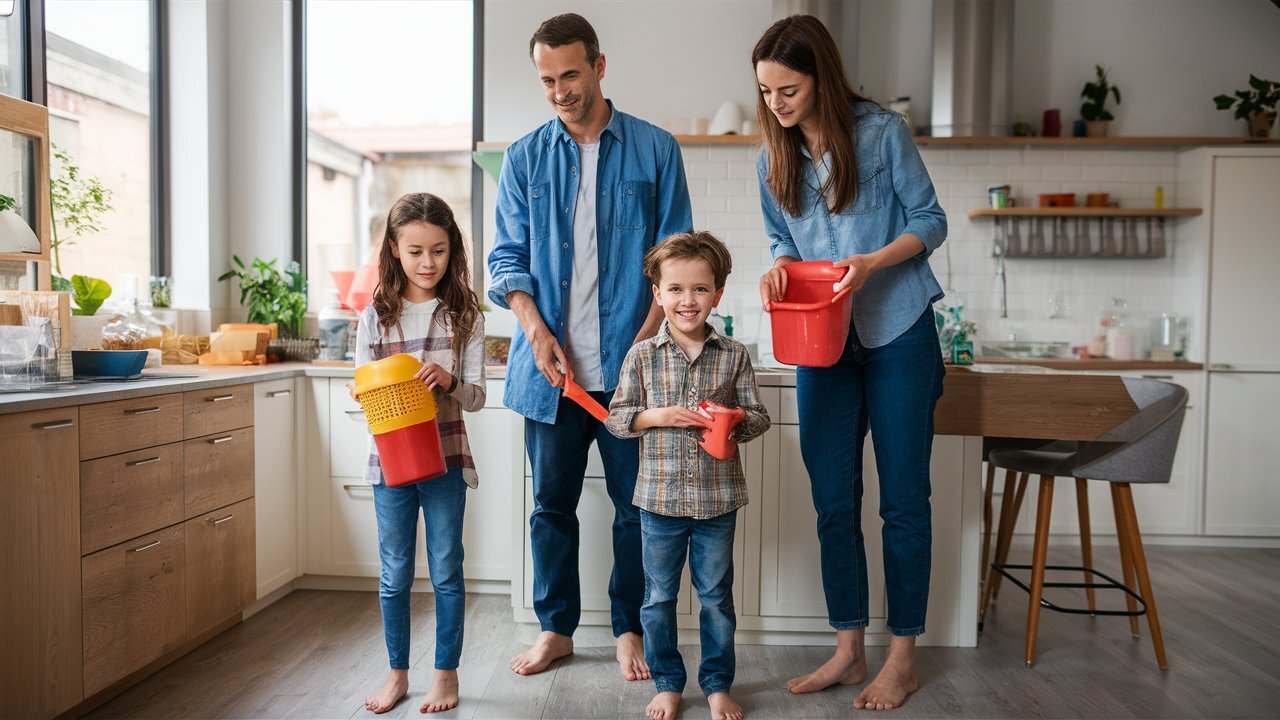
(644,198)
(895,196)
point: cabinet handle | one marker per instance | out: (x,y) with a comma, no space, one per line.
(220,398)
(55,425)
(148,546)
(279,393)
(218,441)
(353,413)
(219,521)
(351,487)
(1220,366)
(143,411)
(136,463)
(1158,377)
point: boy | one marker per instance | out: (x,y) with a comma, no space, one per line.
(688,499)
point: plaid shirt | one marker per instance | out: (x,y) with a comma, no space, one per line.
(677,478)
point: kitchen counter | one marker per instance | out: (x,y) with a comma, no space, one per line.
(1092,364)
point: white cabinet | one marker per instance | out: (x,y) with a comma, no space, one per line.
(276,460)
(1242,495)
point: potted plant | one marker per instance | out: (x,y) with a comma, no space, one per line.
(88,293)
(77,202)
(274,297)
(1257,106)
(1096,116)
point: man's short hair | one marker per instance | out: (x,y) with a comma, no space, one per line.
(567,29)
(684,246)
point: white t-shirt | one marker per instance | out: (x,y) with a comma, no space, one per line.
(583,312)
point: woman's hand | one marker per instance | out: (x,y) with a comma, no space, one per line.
(773,284)
(860,267)
(673,416)
(436,376)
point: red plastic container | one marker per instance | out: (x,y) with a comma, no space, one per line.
(410,454)
(715,439)
(811,323)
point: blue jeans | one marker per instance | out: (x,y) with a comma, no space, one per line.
(890,390)
(709,546)
(558,454)
(443,501)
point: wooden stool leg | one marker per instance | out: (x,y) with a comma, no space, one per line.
(1023,479)
(1007,515)
(1126,559)
(1086,542)
(1039,557)
(987,494)
(1138,558)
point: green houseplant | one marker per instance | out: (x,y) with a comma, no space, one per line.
(1257,106)
(77,202)
(271,296)
(1094,110)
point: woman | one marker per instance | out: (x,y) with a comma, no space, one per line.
(841,180)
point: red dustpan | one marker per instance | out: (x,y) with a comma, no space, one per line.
(574,392)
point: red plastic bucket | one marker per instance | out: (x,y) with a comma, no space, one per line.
(715,439)
(410,454)
(811,323)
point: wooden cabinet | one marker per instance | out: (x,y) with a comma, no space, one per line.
(214,410)
(131,494)
(218,470)
(1242,496)
(123,425)
(220,565)
(275,473)
(40,565)
(134,606)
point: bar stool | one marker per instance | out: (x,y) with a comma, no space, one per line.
(1140,450)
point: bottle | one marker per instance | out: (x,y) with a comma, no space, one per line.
(335,325)
(716,321)
(1159,196)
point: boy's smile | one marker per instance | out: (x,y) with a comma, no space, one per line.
(687,292)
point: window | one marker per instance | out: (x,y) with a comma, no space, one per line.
(12,67)
(99,79)
(389,92)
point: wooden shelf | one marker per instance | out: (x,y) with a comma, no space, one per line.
(1084,212)
(1166,141)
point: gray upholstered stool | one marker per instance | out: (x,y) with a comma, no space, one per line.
(1140,450)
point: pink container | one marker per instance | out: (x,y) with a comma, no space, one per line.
(811,322)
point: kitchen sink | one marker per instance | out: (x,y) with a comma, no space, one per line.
(1022,349)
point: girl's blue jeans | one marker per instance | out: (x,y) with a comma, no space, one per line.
(891,391)
(442,502)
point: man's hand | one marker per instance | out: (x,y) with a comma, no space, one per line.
(549,357)
(436,376)
(674,416)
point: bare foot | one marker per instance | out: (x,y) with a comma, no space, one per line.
(663,706)
(443,694)
(895,681)
(723,707)
(631,657)
(844,668)
(389,694)
(548,648)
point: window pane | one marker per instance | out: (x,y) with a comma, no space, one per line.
(100,114)
(388,113)
(11,48)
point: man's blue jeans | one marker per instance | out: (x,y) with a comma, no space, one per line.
(443,501)
(558,454)
(890,390)
(709,546)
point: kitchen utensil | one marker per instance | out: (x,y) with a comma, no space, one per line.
(574,392)
(811,322)
(107,363)
(401,413)
(715,438)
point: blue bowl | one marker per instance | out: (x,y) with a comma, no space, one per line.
(107,363)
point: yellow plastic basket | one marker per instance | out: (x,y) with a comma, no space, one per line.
(391,397)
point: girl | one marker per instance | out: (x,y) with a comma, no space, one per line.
(424,306)
(841,180)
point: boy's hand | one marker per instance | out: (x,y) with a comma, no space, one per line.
(674,416)
(436,376)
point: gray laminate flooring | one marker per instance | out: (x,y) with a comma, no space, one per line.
(317,654)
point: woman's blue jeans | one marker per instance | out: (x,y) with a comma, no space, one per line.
(708,544)
(443,501)
(891,391)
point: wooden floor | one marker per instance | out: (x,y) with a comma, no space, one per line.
(317,654)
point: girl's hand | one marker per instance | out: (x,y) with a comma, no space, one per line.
(860,267)
(351,388)
(773,284)
(674,416)
(436,376)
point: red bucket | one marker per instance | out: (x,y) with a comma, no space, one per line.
(410,454)
(811,323)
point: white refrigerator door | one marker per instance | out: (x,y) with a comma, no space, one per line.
(1244,280)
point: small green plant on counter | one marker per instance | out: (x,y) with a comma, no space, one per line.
(78,202)
(7,203)
(1095,94)
(269,296)
(1256,106)
(88,293)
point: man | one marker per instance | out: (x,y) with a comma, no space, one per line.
(581,199)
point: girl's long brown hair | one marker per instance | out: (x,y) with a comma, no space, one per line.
(802,43)
(457,301)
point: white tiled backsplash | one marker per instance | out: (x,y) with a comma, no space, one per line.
(725,197)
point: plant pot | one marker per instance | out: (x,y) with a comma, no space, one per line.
(86,330)
(16,235)
(1260,124)
(1097,128)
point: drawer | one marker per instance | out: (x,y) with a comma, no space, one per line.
(216,410)
(348,433)
(124,496)
(134,606)
(218,470)
(124,425)
(221,573)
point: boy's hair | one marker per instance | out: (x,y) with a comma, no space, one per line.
(567,29)
(683,246)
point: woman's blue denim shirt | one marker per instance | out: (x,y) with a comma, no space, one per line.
(895,196)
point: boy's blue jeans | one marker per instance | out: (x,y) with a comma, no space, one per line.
(890,390)
(709,546)
(443,501)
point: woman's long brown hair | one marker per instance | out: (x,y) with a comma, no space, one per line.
(458,302)
(802,43)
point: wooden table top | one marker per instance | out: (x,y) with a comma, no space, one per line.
(1017,405)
